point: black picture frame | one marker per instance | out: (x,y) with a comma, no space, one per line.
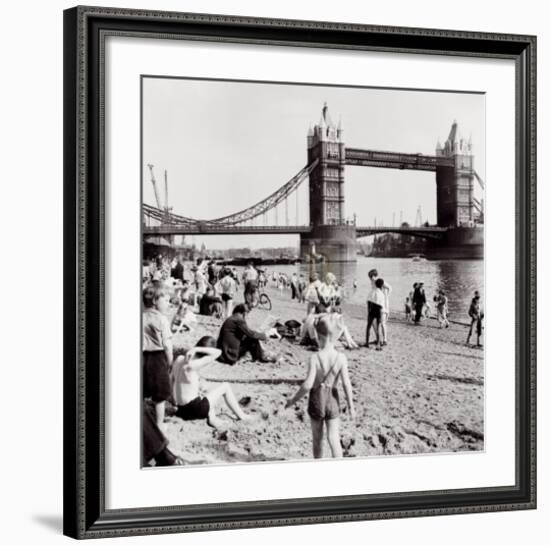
(85,29)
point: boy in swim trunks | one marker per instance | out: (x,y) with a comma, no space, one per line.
(193,400)
(326,367)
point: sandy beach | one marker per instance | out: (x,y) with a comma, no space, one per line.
(423,393)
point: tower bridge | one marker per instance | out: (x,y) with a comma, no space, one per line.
(459,229)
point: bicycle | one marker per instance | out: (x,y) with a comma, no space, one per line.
(258,300)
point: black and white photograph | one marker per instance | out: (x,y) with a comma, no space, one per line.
(312,271)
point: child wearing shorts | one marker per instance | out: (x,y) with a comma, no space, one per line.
(326,368)
(157,350)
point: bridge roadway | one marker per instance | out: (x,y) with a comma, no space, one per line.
(389,159)
(211,229)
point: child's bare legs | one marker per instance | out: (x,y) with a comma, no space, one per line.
(384,327)
(470,330)
(317,432)
(333,436)
(376,325)
(225,391)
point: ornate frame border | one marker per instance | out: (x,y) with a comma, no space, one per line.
(85,29)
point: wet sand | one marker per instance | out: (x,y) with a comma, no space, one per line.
(423,393)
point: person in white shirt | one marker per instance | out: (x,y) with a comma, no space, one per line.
(376,301)
(386,290)
(228,287)
(373,276)
(312,293)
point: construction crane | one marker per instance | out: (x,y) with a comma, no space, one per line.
(154,182)
(167,209)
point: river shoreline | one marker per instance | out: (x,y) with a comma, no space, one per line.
(424,393)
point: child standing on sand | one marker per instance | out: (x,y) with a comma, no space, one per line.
(326,367)
(157,350)
(408,309)
(193,400)
(442,309)
(476,316)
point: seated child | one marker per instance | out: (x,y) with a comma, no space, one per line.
(193,400)
(184,319)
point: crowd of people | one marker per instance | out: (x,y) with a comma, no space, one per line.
(173,377)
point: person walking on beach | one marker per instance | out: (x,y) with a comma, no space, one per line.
(373,276)
(326,368)
(411,297)
(294,286)
(228,288)
(200,282)
(178,270)
(476,317)
(442,308)
(236,339)
(301,289)
(419,300)
(250,280)
(194,401)
(312,293)
(157,350)
(375,306)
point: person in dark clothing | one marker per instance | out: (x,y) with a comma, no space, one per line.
(212,273)
(177,271)
(210,305)
(419,300)
(155,444)
(476,317)
(236,339)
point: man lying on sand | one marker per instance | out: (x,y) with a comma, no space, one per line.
(193,400)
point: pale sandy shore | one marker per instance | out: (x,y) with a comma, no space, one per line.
(423,393)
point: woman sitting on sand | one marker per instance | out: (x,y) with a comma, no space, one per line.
(325,369)
(309,333)
(193,401)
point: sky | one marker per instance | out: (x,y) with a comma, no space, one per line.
(227,145)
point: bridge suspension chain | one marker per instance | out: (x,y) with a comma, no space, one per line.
(479,180)
(254,211)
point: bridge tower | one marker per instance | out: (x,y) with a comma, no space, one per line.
(331,235)
(455,184)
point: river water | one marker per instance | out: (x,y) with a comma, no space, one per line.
(458,278)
